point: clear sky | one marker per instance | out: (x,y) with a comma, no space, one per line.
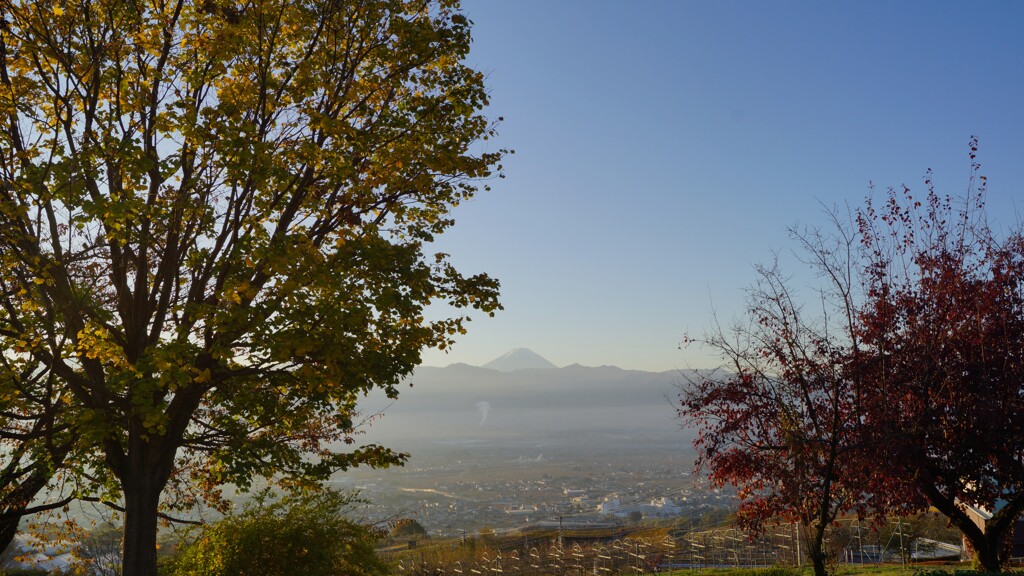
(662,149)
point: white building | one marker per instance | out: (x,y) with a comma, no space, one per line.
(658,508)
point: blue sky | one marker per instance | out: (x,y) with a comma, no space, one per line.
(663,148)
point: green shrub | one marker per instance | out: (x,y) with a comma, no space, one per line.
(305,534)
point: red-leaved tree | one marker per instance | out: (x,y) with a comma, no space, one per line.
(943,328)
(781,423)
(901,388)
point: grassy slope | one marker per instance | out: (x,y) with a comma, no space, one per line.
(843,570)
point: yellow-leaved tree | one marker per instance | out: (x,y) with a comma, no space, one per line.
(213,223)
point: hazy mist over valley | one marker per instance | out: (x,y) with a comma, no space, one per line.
(581,405)
(511,435)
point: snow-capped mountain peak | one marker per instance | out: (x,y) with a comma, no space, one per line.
(518,359)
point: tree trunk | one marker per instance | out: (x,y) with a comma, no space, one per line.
(143,474)
(825,515)
(988,554)
(817,551)
(143,470)
(141,499)
(8,530)
(988,543)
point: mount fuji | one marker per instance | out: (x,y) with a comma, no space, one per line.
(521,397)
(518,359)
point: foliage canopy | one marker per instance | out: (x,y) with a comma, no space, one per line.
(212,226)
(943,333)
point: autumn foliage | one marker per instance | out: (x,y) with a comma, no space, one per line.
(943,333)
(779,421)
(214,218)
(899,386)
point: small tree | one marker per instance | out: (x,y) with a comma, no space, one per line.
(306,534)
(780,422)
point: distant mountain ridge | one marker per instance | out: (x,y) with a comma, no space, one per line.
(523,397)
(519,359)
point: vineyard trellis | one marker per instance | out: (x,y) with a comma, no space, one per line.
(722,546)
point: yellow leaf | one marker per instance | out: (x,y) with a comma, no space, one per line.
(39,280)
(58,11)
